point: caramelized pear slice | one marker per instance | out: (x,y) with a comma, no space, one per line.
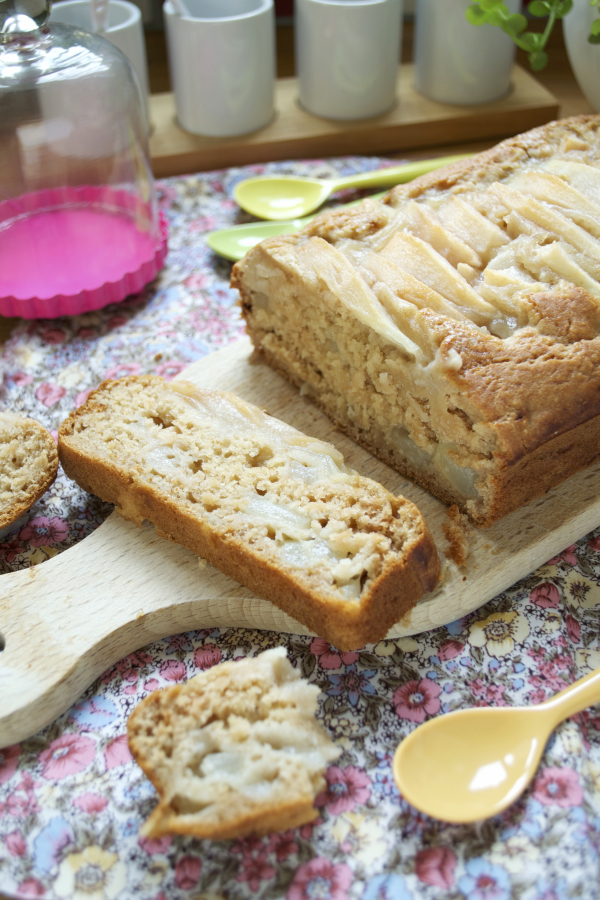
(420,260)
(423,224)
(472,227)
(334,276)
(409,288)
(586,178)
(556,258)
(547,219)
(552,189)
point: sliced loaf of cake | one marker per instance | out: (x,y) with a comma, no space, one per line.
(276,510)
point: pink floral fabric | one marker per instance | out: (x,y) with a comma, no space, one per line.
(71,798)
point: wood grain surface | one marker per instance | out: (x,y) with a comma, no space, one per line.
(415,121)
(70,618)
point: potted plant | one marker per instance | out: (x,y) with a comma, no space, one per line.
(496,12)
(581,30)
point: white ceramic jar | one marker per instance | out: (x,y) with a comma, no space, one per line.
(347,56)
(222,65)
(124,29)
(460,63)
(583,56)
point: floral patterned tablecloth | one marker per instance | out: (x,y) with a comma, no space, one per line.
(71,798)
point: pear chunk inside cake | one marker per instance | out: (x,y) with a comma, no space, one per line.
(235,751)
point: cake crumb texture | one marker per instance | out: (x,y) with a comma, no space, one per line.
(456,532)
(28,465)
(235,751)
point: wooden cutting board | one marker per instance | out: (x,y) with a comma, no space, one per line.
(64,622)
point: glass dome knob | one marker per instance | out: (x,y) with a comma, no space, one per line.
(19,16)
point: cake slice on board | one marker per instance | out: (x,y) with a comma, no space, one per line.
(276,510)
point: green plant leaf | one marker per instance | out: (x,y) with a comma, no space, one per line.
(564,8)
(475,15)
(594,38)
(495,12)
(595,29)
(539,8)
(517,23)
(538,60)
(529,41)
(496,17)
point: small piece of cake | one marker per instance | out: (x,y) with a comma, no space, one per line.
(235,751)
(276,510)
(452,328)
(28,465)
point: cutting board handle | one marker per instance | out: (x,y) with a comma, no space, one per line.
(67,620)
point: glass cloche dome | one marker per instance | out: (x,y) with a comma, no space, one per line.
(79,224)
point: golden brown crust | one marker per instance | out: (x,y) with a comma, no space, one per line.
(494,164)
(402,581)
(289,815)
(28,465)
(541,389)
(355,223)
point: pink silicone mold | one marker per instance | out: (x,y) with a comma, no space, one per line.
(66,251)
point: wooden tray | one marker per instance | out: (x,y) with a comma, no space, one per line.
(72,617)
(415,122)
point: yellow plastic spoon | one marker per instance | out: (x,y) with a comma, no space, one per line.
(472,764)
(282,197)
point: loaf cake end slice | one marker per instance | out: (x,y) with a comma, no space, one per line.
(234,751)
(452,327)
(276,510)
(28,465)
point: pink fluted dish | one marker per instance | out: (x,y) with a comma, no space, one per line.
(69,250)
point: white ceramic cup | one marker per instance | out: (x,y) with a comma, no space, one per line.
(347,56)
(124,30)
(460,63)
(222,65)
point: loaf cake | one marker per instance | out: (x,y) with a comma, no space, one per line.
(28,465)
(276,510)
(234,751)
(452,327)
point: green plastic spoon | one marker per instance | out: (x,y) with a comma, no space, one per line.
(233,243)
(283,198)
